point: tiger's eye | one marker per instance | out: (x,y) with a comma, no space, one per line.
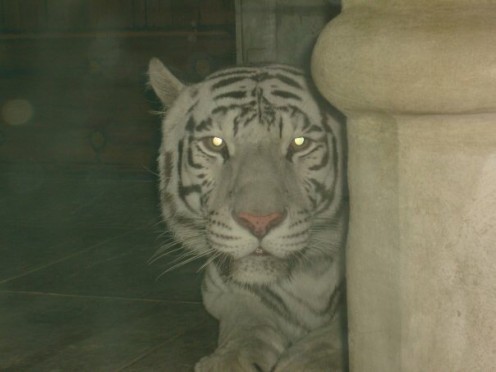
(215,144)
(217,141)
(299,141)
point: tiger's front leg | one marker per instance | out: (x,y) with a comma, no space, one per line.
(249,339)
(321,350)
(246,349)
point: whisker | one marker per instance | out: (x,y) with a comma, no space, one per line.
(157,257)
(150,171)
(182,262)
(209,261)
(173,245)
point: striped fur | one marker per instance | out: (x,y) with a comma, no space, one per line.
(277,293)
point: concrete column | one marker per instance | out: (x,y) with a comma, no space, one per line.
(417,81)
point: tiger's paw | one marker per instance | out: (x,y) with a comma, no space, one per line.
(235,361)
(246,355)
(305,357)
(314,362)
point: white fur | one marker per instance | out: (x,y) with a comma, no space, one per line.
(275,311)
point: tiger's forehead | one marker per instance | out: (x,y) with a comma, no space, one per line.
(243,97)
(238,83)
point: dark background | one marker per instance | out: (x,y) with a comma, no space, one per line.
(81,65)
(79,216)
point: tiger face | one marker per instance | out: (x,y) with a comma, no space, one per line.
(250,172)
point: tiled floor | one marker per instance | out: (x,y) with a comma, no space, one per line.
(76,290)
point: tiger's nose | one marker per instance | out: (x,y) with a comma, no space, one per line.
(259,225)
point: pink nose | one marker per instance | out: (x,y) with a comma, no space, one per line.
(259,225)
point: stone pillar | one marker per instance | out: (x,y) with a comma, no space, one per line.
(417,81)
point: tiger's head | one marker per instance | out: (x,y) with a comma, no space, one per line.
(251,171)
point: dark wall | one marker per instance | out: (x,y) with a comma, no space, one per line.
(72,77)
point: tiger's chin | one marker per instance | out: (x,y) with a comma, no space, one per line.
(258,269)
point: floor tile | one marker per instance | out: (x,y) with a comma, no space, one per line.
(113,267)
(77,290)
(181,354)
(47,333)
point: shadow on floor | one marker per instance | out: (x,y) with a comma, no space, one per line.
(76,291)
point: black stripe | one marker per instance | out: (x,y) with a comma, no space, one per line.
(261,76)
(237,121)
(300,221)
(204,125)
(224,236)
(204,199)
(191,161)
(329,195)
(273,301)
(285,94)
(295,110)
(257,367)
(206,154)
(296,234)
(289,69)
(336,219)
(167,167)
(283,78)
(289,81)
(225,82)
(244,118)
(335,155)
(169,200)
(290,154)
(338,296)
(220,223)
(306,121)
(225,153)
(192,107)
(276,303)
(314,128)
(224,109)
(324,119)
(234,95)
(184,191)
(194,93)
(320,188)
(183,220)
(312,199)
(302,302)
(323,161)
(325,203)
(190,124)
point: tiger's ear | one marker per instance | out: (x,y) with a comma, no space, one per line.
(166,86)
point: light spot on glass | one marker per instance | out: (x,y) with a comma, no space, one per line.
(17,111)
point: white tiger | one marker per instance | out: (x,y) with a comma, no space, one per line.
(252,178)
